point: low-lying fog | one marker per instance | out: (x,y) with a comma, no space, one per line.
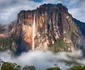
(45,59)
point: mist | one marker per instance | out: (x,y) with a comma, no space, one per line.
(45,59)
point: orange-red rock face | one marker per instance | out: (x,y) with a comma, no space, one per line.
(28,34)
(54,27)
(26,20)
(52,23)
(29,19)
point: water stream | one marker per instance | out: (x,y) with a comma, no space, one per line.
(33,33)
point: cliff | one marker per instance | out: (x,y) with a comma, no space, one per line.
(49,27)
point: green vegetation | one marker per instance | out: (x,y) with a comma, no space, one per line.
(55,68)
(59,44)
(4,43)
(83,68)
(14,66)
(72,68)
(29,68)
(40,30)
(10,66)
(9,42)
(77,68)
(37,44)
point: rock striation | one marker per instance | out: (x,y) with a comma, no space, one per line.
(49,27)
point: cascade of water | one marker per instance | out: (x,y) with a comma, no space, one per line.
(33,33)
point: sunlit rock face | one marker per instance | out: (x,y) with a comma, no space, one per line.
(25,20)
(49,27)
(56,30)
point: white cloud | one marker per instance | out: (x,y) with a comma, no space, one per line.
(78,12)
(75,7)
(10,8)
(74,11)
(52,1)
(44,59)
(5,1)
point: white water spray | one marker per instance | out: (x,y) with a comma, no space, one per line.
(33,33)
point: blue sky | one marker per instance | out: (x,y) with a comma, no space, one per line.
(10,8)
(37,0)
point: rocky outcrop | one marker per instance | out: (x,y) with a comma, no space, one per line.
(81,27)
(49,27)
(54,29)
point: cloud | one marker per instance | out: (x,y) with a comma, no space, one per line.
(52,1)
(10,8)
(45,59)
(78,11)
(75,7)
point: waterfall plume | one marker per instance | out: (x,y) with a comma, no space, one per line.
(33,33)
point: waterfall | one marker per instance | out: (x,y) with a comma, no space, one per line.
(33,33)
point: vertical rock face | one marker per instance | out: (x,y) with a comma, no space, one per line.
(26,20)
(54,29)
(49,27)
(25,23)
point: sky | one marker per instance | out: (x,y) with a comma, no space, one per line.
(9,9)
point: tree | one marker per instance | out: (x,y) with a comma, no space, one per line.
(76,68)
(7,66)
(55,68)
(29,68)
(83,68)
(10,66)
(18,67)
